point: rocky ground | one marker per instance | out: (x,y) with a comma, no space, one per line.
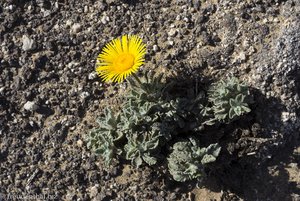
(50,95)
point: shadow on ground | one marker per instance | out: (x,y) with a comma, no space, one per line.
(258,163)
(272,173)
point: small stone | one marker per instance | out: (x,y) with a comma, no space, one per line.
(155,48)
(84,95)
(79,143)
(173,196)
(68,23)
(105,19)
(134,188)
(286,116)
(163,193)
(10,7)
(70,196)
(92,76)
(76,28)
(186,19)
(110,1)
(2,90)
(72,64)
(94,191)
(293,165)
(28,43)
(56,27)
(251,50)
(30,106)
(242,56)
(46,13)
(32,123)
(86,9)
(171,42)
(172,32)
(265,20)
(148,16)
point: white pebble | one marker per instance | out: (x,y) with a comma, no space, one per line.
(79,143)
(28,43)
(30,106)
(2,90)
(76,28)
(171,42)
(172,32)
(155,48)
(86,9)
(92,76)
(68,23)
(84,95)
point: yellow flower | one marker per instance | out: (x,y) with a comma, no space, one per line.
(120,58)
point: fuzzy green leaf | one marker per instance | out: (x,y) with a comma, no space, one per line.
(229,100)
(187,160)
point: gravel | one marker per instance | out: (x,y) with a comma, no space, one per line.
(50,95)
(28,43)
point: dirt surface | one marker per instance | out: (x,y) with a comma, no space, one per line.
(50,95)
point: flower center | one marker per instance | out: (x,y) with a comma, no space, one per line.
(124,62)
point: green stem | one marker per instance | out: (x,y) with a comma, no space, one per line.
(137,79)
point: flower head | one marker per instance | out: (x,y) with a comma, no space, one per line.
(120,58)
